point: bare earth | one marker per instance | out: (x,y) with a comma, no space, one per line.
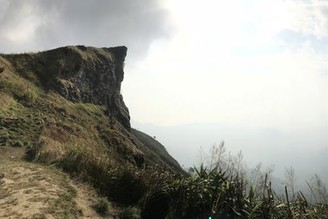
(30,190)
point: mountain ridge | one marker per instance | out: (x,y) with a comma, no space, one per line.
(63,108)
(71,96)
(79,74)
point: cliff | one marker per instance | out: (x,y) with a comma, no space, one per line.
(63,108)
(79,74)
(66,99)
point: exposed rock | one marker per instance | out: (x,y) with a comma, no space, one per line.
(118,109)
(79,73)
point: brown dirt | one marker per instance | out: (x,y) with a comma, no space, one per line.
(30,190)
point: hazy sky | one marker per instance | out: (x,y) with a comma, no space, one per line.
(255,64)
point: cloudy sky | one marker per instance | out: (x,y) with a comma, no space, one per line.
(256,64)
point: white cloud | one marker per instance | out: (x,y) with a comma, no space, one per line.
(45,24)
(230,68)
(19,27)
(309,18)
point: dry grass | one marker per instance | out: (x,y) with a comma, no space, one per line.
(79,138)
(30,190)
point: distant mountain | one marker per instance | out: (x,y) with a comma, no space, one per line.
(305,151)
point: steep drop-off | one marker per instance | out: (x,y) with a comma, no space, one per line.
(68,100)
(64,108)
(79,74)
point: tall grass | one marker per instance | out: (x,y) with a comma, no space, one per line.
(221,189)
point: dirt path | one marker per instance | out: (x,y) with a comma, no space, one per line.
(29,190)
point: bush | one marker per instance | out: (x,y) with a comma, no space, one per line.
(121,185)
(102,207)
(208,193)
(30,96)
(157,204)
(130,213)
(126,187)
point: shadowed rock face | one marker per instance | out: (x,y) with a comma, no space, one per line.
(79,73)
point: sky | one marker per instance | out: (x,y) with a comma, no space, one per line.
(247,65)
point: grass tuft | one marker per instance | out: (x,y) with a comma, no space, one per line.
(102,207)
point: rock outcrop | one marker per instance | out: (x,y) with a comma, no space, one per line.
(79,73)
(44,105)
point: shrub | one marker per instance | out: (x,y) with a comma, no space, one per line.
(157,204)
(30,96)
(130,213)
(208,193)
(102,207)
(126,187)
(121,185)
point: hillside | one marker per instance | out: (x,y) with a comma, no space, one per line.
(67,97)
(63,108)
(67,150)
(31,190)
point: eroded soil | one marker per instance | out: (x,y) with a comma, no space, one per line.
(30,190)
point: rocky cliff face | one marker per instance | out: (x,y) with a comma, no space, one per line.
(79,73)
(53,101)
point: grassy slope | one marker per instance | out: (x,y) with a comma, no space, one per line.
(31,190)
(156,148)
(77,137)
(30,116)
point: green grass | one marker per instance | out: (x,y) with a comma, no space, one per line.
(223,191)
(20,125)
